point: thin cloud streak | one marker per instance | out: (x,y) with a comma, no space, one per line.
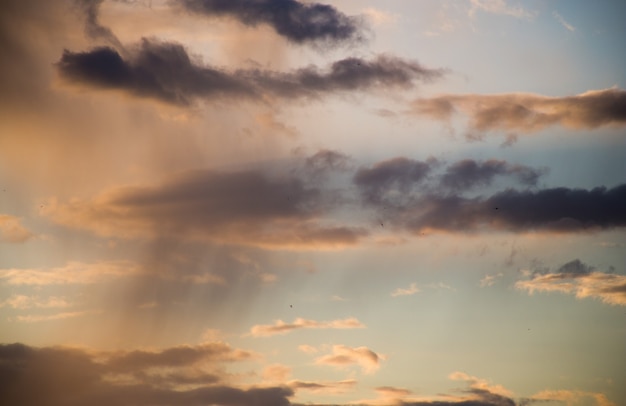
(280,327)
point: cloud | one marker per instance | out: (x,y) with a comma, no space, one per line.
(296,21)
(490,280)
(571,397)
(33,302)
(552,210)
(411,290)
(173,357)
(500,7)
(72,273)
(564,23)
(85,380)
(165,71)
(280,327)
(578,279)
(35,318)
(343,356)
(246,207)
(527,112)
(392,392)
(324,387)
(276,372)
(469,173)
(12,231)
(392,178)
(93,28)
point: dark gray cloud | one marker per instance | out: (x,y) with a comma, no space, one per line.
(75,378)
(298,22)
(391,180)
(527,113)
(165,71)
(556,210)
(246,207)
(469,173)
(158,70)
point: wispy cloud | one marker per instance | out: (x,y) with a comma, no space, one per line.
(35,318)
(564,23)
(280,327)
(490,280)
(578,279)
(12,231)
(30,302)
(72,273)
(500,7)
(411,290)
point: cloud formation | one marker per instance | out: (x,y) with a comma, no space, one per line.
(280,327)
(343,356)
(296,21)
(165,71)
(99,379)
(246,207)
(72,273)
(468,173)
(552,210)
(579,279)
(527,112)
(411,290)
(12,231)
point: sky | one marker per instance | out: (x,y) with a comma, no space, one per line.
(289,202)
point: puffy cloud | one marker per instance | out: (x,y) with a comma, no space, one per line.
(95,379)
(12,231)
(280,327)
(579,279)
(72,273)
(298,22)
(527,113)
(343,356)
(411,290)
(244,207)
(165,71)
(35,318)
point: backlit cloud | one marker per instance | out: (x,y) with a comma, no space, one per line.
(578,279)
(280,327)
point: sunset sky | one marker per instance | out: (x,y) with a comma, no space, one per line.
(287,202)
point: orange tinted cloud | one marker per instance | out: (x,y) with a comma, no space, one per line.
(280,327)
